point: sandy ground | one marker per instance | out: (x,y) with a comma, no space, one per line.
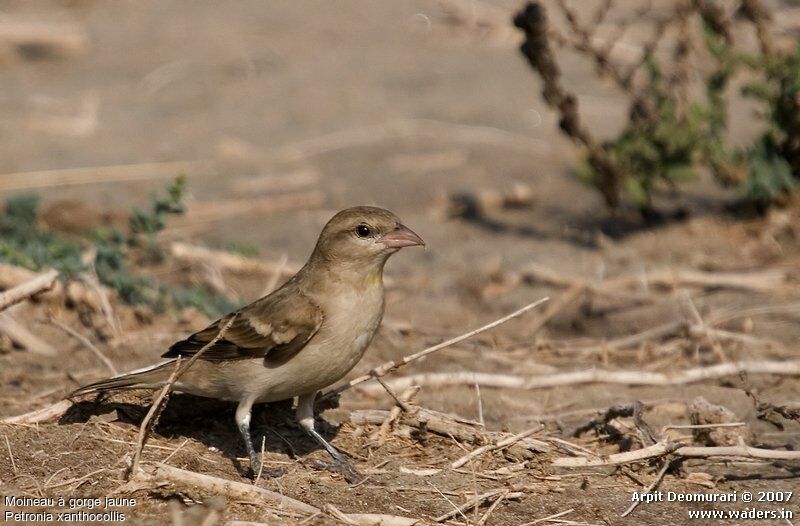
(363,102)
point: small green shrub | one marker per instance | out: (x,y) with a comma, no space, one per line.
(671,136)
(25,243)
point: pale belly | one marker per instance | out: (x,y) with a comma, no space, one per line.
(329,356)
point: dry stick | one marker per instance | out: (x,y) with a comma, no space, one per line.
(391,365)
(491,509)
(445,425)
(624,342)
(24,291)
(230,262)
(19,334)
(87,343)
(405,397)
(93,282)
(102,174)
(368,519)
(10,455)
(155,407)
(38,416)
(563,301)
(660,449)
(637,377)
(494,447)
(759,281)
(445,379)
(477,501)
(703,426)
(550,518)
(480,405)
(624,376)
(231,489)
(651,487)
(177,373)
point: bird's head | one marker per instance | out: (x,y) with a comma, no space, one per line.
(363,235)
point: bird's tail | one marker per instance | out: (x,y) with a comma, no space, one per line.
(149,378)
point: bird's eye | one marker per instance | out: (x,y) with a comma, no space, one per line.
(363,230)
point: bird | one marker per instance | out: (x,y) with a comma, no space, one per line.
(302,337)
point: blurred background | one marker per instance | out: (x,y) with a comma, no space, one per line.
(181,157)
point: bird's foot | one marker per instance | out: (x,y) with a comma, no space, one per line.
(342,467)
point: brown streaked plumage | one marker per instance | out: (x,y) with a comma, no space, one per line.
(304,336)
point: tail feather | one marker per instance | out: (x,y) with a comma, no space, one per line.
(149,378)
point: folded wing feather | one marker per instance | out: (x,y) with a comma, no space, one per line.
(274,328)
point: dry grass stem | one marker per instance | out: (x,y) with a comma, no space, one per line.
(87,343)
(478,501)
(20,335)
(164,393)
(662,448)
(39,416)
(594,375)
(391,365)
(405,398)
(506,442)
(21,292)
(233,490)
(10,454)
(446,425)
(553,308)
(238,264)
(651,487)
(103,175)
(152,414)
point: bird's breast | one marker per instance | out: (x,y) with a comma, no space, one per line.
(350,321)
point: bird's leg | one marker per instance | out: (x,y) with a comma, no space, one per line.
(305,416)
(243,421)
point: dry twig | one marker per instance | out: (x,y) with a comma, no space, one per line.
(651,487)
(28,289)
(195,255)
(20,335)
(231,489)
(660,449)
(102,174)
(506,442)
(594,375)
(45,414)
(478,501)
(447,425)
(164,393)
(404,399)
(384,369)
(87,343)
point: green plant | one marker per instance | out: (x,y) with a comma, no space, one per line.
(144,225)
(25,243)
(673,133)
(111,265)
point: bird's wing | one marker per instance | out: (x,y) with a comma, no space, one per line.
(274,328)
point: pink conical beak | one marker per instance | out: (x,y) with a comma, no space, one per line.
(400,237)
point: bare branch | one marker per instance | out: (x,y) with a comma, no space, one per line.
(24,291)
